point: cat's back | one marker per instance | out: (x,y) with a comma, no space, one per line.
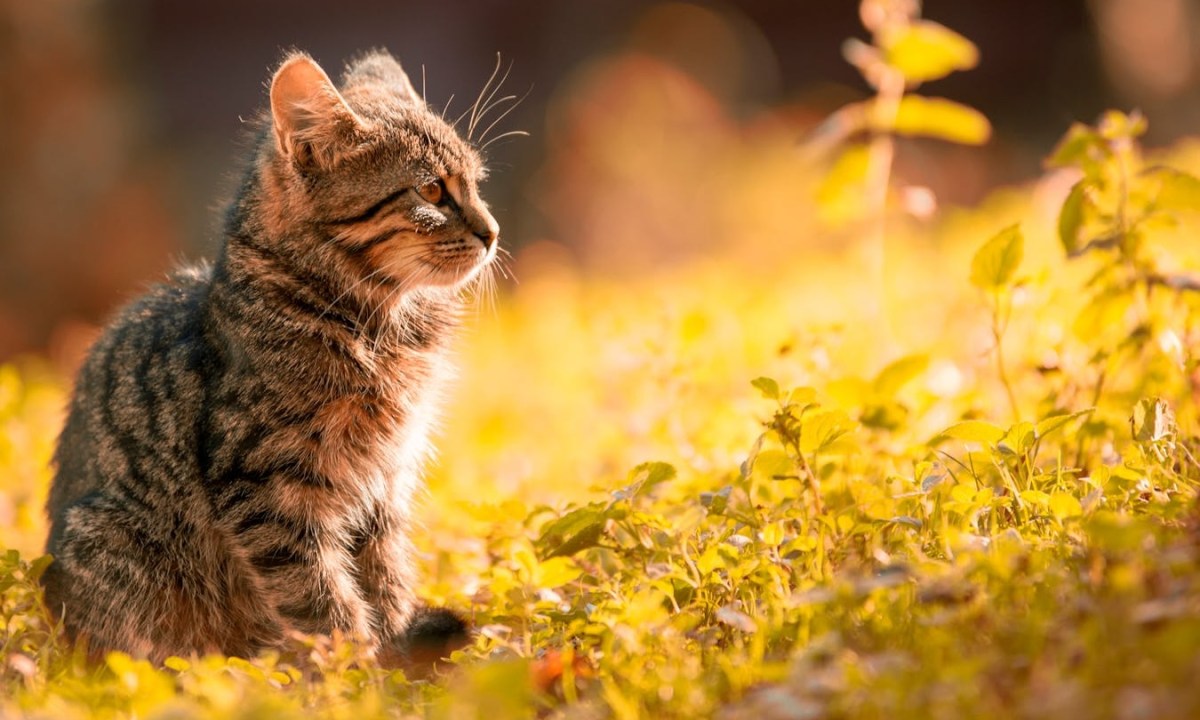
(132,420)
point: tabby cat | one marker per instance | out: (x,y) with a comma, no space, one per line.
(243,443)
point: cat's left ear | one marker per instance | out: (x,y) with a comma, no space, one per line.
(313,124)
(378,67)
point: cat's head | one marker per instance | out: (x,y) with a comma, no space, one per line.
(387,185)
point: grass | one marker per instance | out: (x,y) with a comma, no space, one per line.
(767,484)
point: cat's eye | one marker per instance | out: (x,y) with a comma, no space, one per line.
(432,192)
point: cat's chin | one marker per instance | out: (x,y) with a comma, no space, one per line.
(452,277)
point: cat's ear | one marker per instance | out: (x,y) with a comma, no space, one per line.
(378,67)
(312,122)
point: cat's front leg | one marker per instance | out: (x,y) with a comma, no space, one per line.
(409,635)
(306,572)
(384,557)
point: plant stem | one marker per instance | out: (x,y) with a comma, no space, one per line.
(998,328)
(880,157)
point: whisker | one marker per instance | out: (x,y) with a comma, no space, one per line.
(490,102)
(501,136)
(482,91)
(490,106)
(462,115)
(517,102)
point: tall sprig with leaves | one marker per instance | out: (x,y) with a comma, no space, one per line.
(1139,319)
(992,271)
(905,51)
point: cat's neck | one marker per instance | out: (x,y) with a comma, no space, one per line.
(282,315)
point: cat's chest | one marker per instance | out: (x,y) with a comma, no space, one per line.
(369,428)
(363,453)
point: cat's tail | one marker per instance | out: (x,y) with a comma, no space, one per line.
(431,636)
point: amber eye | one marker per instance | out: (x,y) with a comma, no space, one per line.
(431,192)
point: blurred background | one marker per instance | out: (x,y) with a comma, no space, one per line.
(654,128)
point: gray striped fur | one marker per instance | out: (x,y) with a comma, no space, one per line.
(243,442)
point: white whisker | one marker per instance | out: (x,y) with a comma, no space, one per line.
(483,135)
(482,92)
(501,136)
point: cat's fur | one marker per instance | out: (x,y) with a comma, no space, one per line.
(244,442)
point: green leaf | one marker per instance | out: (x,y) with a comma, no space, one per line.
(1070,218)
(926,50)
(996,262)
(898,374)
(974,431)
(942,119)
(577,530)
(37,567)
(767,386)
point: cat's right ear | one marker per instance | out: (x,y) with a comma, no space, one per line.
(313,124)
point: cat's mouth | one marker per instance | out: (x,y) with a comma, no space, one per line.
(456,261)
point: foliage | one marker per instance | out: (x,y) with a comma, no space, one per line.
(881,543)
(904,53)
(814,524)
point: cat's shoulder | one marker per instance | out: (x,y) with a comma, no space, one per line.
(182,291)
(166,313)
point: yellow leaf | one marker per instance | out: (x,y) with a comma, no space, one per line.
(926,50)
(963,493)
(840,196)
(709,560)
(996,262)
(974,431)
(942,119)
(1070,218)
(556,572)
(1065,505)
(773,534)
(822,428)
(774,465)
(1180,191)
(1035,497)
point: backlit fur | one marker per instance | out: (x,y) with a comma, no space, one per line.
(244,441)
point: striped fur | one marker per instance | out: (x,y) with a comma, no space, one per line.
(244,441)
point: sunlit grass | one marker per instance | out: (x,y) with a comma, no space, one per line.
(901,549)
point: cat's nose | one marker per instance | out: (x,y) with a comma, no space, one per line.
(487,230)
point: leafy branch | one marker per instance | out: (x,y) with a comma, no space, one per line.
(904,52)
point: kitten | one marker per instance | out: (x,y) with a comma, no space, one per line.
(243,443)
